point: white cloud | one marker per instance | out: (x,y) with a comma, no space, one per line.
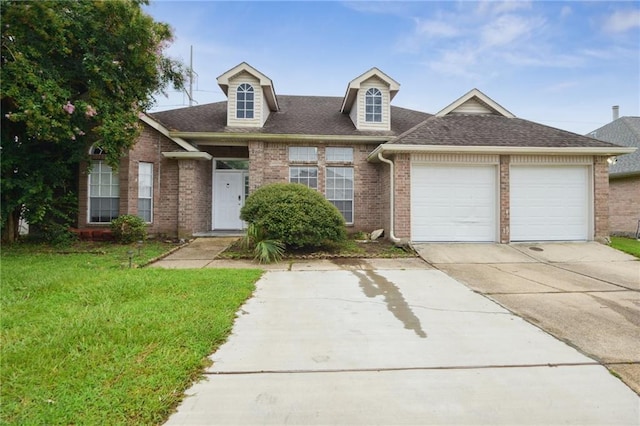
(498,7)
(621,21)
(565,11)
(508,28)
(435,28)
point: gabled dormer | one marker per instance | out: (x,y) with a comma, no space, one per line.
(251,96)
(474,102)
(368,100)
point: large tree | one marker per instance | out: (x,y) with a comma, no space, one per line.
(73,73)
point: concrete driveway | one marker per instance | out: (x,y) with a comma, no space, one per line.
(367,342)
(586,294)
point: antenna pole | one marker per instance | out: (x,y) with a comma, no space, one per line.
(191,77)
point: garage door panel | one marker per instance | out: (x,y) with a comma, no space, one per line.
(549,203)
(453,203)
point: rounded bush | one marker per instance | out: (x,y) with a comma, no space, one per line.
(294,214)
(128,228)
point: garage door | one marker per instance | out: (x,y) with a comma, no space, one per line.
(453,203)
(549,203)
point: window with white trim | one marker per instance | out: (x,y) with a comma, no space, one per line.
(339,190)
(305,175)
(145,191)
(303,154)
(244,101)
(373,106)
(339,155)
(104,193)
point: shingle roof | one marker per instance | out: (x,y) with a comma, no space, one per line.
(623,131)
(491,130)
(298,115)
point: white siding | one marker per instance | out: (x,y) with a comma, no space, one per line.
(359,106)
(472,106)
(260,113)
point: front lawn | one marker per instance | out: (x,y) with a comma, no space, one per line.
(86,340)
(627,245)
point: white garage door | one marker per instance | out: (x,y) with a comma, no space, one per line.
(549,203)
(453,203)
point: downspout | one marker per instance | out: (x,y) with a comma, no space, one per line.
(392,235)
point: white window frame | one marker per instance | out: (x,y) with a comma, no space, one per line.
(99,190)
(342,193)
(304,180)
(243,93)
(373,106)
(303,154)
(339,154)
(145,188)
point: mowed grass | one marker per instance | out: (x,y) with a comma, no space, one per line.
(627,245)
(86,340)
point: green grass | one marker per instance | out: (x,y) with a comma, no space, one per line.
(627,245)
(86,340)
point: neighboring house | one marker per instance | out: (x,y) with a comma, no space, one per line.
(471,172)
(624,175)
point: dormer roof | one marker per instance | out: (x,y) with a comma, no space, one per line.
(265,83)
(475,102)
(354,86)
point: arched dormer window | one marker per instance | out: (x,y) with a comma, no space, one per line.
(373,106)
(104,189)
(244,101)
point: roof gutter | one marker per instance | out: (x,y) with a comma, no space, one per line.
(392,235)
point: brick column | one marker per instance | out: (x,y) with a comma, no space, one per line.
(256,165)
(505,201)
(601,198)
(186,202)
(402,196)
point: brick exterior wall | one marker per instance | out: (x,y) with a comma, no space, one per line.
(269,163)
(624,205)
(601,198)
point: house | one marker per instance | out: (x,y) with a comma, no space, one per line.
(471,172)
(624,174)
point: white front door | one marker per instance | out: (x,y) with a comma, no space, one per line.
(228,198)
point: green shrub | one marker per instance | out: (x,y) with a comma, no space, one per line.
(294,214)
(128,228)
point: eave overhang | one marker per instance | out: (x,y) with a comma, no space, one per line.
(163,130)
(504,150)
(229,138)
(181,155)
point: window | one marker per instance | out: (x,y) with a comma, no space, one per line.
(373,106)
(104,193)
(244,101)
(145,191)
(339,188)
(303,154)
(305,175)
(339,155)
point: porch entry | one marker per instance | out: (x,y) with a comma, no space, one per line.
(230,189)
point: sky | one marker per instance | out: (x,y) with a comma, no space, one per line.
(560,63)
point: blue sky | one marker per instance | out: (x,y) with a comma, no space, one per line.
(560,63)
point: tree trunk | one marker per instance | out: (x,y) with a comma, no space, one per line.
(10,230)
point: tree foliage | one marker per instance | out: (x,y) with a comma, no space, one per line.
(73,73)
